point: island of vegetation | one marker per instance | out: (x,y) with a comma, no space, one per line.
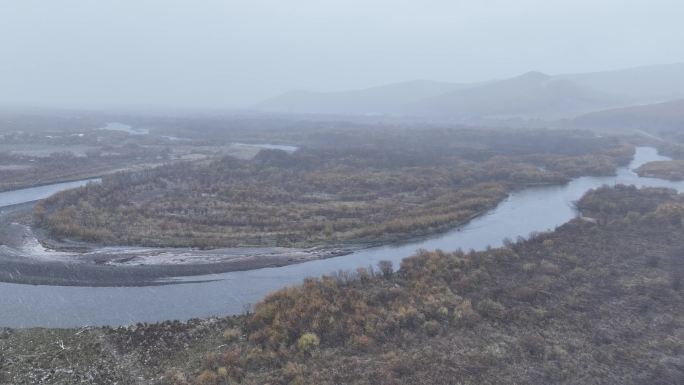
(340,188)
(665,169)
(598,300)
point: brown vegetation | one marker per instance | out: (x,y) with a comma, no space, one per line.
(670,169)
(392,186)
(587,303)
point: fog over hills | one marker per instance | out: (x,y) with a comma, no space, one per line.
(656,118)
(637,85)
(383,99)
(533,95)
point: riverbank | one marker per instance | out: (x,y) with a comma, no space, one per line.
(49,182)
(25,259)
(20,270)
(31,256)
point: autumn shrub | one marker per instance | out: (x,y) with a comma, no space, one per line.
(230,358)
(257,357)
(465,315)
(308,342)
(491,309)
(174,377)
(362,342)
(442,313)
(431,327)
(548,267)
(207,377)
(211,361)
(386,268)
(292,373)
(363,274)
(409,317)
(222,373)
(529,267)
(231,335)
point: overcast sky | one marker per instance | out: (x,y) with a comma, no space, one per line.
(215,54)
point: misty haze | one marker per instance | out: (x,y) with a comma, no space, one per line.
(341,192)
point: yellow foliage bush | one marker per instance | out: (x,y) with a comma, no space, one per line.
(308,342)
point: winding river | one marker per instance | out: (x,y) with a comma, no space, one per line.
(523,212)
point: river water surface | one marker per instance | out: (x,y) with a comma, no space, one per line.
(523,212)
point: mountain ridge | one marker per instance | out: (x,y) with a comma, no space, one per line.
(532,95)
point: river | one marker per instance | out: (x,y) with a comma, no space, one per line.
(25,195)
(523,212)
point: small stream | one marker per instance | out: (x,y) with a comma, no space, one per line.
(530,210)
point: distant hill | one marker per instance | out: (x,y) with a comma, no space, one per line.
(662,118)
(387,99)
(650,84)
(533,95)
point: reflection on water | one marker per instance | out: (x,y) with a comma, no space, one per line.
(268,146)
(114,126)
(523,212)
